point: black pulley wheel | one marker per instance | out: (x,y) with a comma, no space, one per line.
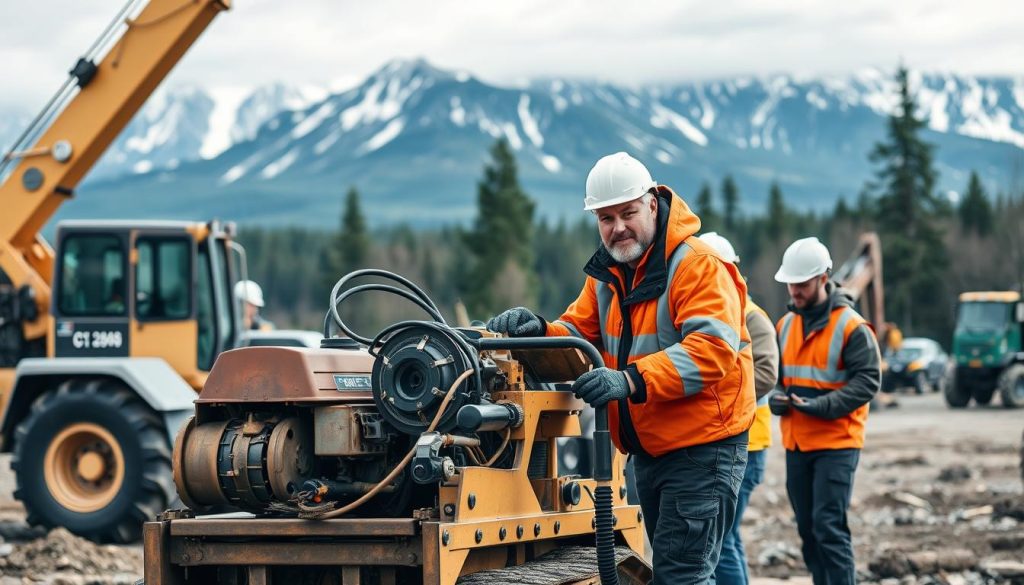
(413,372)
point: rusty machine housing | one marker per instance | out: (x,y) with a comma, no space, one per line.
(310,443)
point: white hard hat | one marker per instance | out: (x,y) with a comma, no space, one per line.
(250,292)
(616,178)
(803,260)
(721,245)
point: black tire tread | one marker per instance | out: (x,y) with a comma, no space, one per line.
(1007,383)
(955,394)
(156,485)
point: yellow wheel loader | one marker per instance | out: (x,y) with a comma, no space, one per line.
(106,337)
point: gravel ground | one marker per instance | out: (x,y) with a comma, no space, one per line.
(937,500)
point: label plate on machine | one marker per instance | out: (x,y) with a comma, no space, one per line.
(80,338)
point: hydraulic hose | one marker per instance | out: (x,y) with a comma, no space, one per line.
(401,465)
(604,516)
(605,533)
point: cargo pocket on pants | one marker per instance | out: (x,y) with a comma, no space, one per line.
(692,537)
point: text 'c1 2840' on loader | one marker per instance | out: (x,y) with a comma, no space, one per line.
(428,454)
(105,340)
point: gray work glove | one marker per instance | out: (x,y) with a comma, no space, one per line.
(601,386)
(517,322)
(813,406)
(778,402)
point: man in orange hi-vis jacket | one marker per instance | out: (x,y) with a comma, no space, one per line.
(667,313)
(830,372)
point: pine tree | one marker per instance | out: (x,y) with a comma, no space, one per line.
(841,211)
(776,220)
(348,250)
(865,209)
(915,257)
(501,241)
(352,242)
(975,209)
(706,209)
(730,203)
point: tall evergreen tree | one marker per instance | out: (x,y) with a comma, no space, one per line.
(841,211)
(501,240)
(706,209)
(776,220)
(915,258)
(730,203)
(352,243)
(975,209)
(865,209)
(348,250)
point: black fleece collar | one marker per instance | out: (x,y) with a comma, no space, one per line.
(656,276)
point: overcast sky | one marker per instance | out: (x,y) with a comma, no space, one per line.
(338,41)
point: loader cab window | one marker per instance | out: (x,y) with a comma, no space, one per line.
(205,313)
(92,282)
(214,308)
(163,279)
(984,316)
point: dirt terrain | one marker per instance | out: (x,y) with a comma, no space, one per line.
(938,500)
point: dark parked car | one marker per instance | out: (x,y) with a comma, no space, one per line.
(919,363)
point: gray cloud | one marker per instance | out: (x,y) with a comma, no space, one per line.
(317,41)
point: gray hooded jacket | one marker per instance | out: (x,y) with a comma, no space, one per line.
(861,358)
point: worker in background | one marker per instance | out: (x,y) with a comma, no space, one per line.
(667,313)
(251,296)
(732,566)
(830,371)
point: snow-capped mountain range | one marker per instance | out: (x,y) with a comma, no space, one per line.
(413,138)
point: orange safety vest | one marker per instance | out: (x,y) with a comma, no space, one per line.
(687,339)
(761,431)
(816,363)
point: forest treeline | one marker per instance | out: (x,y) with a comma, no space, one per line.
(934,247)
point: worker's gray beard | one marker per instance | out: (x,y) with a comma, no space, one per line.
(630,253)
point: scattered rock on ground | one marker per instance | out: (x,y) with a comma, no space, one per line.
(958,473)
(64,554)
(896,563)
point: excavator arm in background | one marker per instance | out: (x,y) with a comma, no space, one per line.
(79,124)
(861,276)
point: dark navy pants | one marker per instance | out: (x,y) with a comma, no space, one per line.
(732,566)
(820,484)
(688,498)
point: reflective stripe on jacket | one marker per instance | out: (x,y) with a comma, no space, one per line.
(812,366)
(761,431)
(685,341)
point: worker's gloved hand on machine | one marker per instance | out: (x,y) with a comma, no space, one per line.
(517,322)
(778,402)
(601,386)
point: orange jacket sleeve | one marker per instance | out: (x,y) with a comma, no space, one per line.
(706,303)
(581,318)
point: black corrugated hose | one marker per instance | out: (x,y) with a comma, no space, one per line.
(606,566)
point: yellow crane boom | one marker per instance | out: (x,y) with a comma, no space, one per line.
(49,168)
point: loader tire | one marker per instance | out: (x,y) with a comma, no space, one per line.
(1011,386)
(94,459)
(958,394)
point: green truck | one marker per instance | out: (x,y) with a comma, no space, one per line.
(988,354)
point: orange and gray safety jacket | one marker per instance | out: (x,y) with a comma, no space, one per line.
(683,341)
(766,372)
(829,352)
